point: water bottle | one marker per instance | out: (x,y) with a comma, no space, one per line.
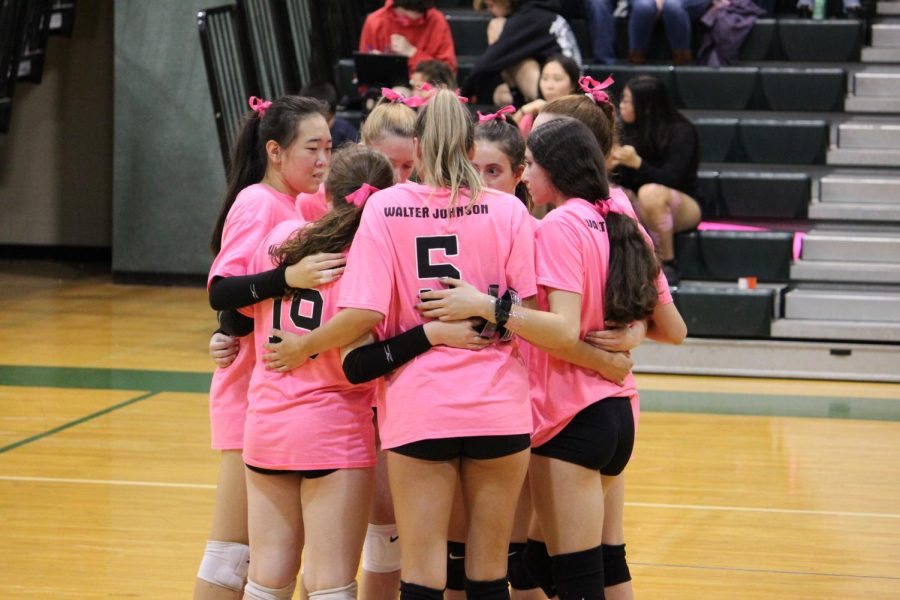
(819,9)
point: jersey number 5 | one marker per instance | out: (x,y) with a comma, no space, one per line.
(428,270)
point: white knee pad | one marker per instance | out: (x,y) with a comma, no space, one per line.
(225,564)
(258,592)
(381,552)
(348,592)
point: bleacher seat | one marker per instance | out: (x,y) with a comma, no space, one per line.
(726,312)
(729,255)
(796,142)
(803,89)
(719,88)
(708,181)
(622,74)
(762,42)
(752,195)
(469,31)
(718,138)
(821,41)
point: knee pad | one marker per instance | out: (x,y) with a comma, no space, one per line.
(225,564)
(615,568)
(347,592)
(381,550)
(456,566)
(539,566)
(497,589)
(515,568)
(414,591)
(259,592)
(579,575)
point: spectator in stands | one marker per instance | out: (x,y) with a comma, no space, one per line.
(852,9)
(342,130)
(433,72)
(677,16)
(413,28)
(657,165)
(559,77)
(601,24)
(522,35)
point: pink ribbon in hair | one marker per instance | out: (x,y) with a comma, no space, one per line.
(359,197)
(414,102)
(606,206)
(499,115)
(462,99)
(259,106)
(593,89)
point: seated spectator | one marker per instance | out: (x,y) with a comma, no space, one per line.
(433,72)
(559,77)
(601,24)
(657,165)
(522,35)
(677,16)
(342,130)
(413,28)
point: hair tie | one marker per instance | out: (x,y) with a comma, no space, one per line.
(500,115)
(606,206)
(593,89)
(259,106)
(359,197)
(414,102)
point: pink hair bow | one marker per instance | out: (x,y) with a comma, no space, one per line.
(414,102)
(606,206)
(499,115)
(593,89)
(259,106)
(359,197)
(462,99)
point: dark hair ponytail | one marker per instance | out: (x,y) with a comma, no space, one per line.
(351,166)
(570,154)
(248,157)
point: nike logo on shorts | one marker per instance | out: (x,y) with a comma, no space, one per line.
(394,538)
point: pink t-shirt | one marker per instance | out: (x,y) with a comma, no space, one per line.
(408,238)
(313,207)
(312,417)
(572,255)
(255,211)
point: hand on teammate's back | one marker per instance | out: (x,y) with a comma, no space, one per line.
(456,334)
(315,270)
(286,354)
(618,338)
(223,349)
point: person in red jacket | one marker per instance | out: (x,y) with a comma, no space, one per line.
(413,28)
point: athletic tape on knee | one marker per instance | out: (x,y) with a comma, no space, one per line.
(225,564)
(519,579)
(615,567)
(579,575)
(259,592)
(381,550)
(456,566)
(539,566)
(347,592)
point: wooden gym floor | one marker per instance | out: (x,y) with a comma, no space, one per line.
(739,488)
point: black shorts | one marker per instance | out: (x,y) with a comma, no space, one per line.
(311,474)
(600,437)
(480,447)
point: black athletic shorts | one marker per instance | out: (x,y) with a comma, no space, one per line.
(600,437)
(312,474)
(480,447)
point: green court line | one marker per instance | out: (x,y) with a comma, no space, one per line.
(105,379)
(78,421)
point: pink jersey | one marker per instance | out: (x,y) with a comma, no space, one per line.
(572,254)
(256,210)
(313,207)
(409,237)
(311,418)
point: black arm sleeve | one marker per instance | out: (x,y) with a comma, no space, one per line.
(370,362)
(233,323)
(229,293)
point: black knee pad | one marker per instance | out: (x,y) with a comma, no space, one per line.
(539,567)
(414,591)
(515,568)
(615,568)
(498,589)
(579,575)
(456,566)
